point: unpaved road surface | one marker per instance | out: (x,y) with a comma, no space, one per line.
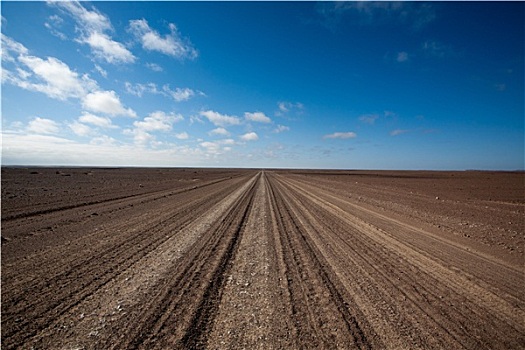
(249,259)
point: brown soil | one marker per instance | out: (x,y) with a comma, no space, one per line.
(235,259)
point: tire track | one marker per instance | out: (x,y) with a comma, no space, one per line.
(253,309)
(434,297)
(323,316)
(78,280)
(143,197)
(180,313)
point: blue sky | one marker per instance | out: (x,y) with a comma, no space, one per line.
(377,85)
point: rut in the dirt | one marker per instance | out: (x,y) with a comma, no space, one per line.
(232,259)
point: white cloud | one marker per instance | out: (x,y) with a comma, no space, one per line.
(289,107)
(92,26)
(368,118)
(107,49)
(398,132)
(402,56)
(90,20)
(171,44)
(80,129)
(220,119)
(257,117)
(220,132)
(106,102)
(101,71)
(55,78)
(42,126)
(250,136)
(154,67)
(52,24)
(158,121)
(182,136)
(11,46)
(140,89)
(92,119)
(341,135)
(49,76)
(179,94)
(281,128)
(103,140)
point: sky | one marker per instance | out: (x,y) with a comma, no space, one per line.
(336,85)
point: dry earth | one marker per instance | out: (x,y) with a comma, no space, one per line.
(249,259)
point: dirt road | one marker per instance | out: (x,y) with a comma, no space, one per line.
(235,259)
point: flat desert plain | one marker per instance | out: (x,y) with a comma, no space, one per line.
(96,258)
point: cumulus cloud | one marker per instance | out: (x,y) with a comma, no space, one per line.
(92,26)
(220,132)
(171,44)
(104,48)
(42,126)
(281,128)
(217,147)
(258,117)
(182,136)
(106,102)
(80,129)
(250,136)
(221,120)
(51,77)
(397,132)
(341,135)
(156,121)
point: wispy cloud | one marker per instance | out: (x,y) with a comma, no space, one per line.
(154,67)
(368,118)
(436,49)
(179,94)
(101,71)
(402,56)
(171,44)
(341,135)
(285,108)
(220,119)
(376,13)
(281,128)
(258,117)
(397,132)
